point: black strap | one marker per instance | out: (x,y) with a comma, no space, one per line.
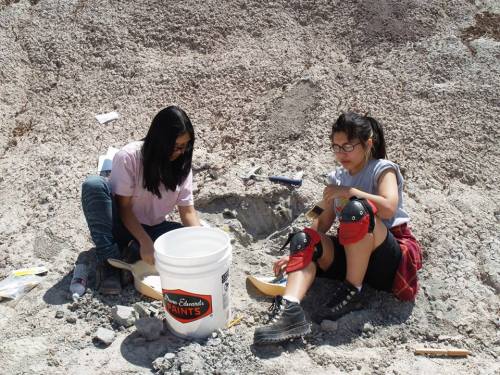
(368,208)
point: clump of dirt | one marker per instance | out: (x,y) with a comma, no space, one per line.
(487,25)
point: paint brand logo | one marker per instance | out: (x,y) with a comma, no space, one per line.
(186,307)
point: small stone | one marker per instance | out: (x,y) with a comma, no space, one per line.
(123,315)
(229,214)
(220,333)
(141,310)
(149,328)
(104,335)
(368,327)
(59,314)
(156,305)
(329,326)
(161,365)
(214,342)
(169,356)
(71,319)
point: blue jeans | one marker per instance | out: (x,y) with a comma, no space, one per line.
(107,230)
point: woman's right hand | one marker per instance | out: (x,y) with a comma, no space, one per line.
(280,265)
(147,252)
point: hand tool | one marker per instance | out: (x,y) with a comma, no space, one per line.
(447,352)
(252,175)
(146,277)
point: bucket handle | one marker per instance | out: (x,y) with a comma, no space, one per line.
(120,264)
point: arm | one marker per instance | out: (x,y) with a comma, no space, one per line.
(189,217)
(324,221)
(135,228)
(386,200)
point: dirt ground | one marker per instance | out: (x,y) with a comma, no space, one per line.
(262,83)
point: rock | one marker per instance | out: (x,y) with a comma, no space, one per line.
(124,315)
(149,328)
(141,310)
(104,335)
(71,319)
(59,314)
(214,342)
(155,307)
(229,214)
(193,367)
(368,328)
(161,365)
(169,356)
(329,326)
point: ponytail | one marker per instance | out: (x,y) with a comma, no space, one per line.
(378,150)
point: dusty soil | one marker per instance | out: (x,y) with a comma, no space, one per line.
(262,83)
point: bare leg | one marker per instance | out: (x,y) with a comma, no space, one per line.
(287,319)
(358,254)
(300,281)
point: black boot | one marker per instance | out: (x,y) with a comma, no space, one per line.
(287,321)
(346,298)
(108,279)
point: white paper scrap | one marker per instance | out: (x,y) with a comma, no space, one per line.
(106,161)
(107,117)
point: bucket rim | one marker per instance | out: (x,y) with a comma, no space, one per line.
(226,245)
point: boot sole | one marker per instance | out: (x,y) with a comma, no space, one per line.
(293,333)
(334,317)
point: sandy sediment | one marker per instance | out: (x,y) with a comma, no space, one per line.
(262,83)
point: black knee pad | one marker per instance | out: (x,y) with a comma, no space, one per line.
(356,220)
(305,247)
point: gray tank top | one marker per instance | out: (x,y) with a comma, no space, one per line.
(367,181)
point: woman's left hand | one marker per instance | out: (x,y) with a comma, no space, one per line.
(332,192)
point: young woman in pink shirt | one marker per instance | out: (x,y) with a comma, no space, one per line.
(149,178)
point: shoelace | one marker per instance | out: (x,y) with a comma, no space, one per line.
(276,309)
(343,292)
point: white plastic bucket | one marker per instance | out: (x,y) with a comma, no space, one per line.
(193,264)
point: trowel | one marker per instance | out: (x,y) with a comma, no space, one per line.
(146,277)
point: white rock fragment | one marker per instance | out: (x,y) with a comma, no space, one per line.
(107,117)
(124,315)
(104,335)
(368,327)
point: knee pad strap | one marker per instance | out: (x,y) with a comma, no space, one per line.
(305,247)
(356,220)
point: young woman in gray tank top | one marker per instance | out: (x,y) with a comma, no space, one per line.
(374,245)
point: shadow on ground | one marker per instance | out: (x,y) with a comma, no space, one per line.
(58,294)
(140,352)
(381,309)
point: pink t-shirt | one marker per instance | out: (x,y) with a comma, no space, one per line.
(126,180)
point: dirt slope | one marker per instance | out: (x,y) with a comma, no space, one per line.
(262,83)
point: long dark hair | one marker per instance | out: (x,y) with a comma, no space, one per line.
(362,128)
(167,125)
